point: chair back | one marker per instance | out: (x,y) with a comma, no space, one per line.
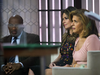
(93,62)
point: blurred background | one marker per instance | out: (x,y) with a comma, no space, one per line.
(42,17)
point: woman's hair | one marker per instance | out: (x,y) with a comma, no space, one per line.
(67,12)
(89,25)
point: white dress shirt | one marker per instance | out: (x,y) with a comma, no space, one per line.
(18,42)
(16,57)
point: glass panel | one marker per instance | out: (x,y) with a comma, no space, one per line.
(65,4)
(42,24)
(55,25)
(55,4)
(43,4)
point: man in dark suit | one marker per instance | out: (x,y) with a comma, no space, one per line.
(18,36)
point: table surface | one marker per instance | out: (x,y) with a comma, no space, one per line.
(30,46)
(30,50)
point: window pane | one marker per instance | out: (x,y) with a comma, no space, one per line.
(67,3)
(55,4)
(43,24)
(43,4)
(55,26)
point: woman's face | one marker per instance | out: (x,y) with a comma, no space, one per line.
(77,25)
(66,22)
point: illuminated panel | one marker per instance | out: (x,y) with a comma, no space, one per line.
(39,4)
(40,22)
(99,14)
(59,26)
(40,35)
(59,4)
(53,34)
(46,26)
(46,34)
(46,4)
(59,34)
(53,20)
(46,23)
(46,19)
(99,6)
(87,4)
(66,3)
(93,5)
(72,2)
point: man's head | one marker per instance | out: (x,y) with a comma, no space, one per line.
(15,25)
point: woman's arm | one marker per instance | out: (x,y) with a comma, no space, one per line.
(52,64)
(74,62)
(58,58)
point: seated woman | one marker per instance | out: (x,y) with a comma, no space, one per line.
(67,46)
(68,41)
(88,36)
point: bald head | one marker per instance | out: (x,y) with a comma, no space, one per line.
(16,19)
(15,25)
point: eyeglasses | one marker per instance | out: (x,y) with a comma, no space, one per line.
(14,25)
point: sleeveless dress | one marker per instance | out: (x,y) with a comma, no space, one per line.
(66,51)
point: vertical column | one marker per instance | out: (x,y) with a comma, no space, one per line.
(1,52)
(90,4)
(53,19)
(40,22)
(0,17)
(96,10)
(46,21)
(99,14)
(77,4)
(84,4)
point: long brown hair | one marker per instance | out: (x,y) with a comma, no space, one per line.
(89,25)
(67,12)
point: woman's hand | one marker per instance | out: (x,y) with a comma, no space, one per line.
(67,65)
(80,65)
(52,65)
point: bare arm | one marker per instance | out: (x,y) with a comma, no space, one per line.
(58,58)
(52,64)
(74,62)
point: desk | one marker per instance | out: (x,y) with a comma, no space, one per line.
(31,50)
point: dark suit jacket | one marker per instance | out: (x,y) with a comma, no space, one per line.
(29,39)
